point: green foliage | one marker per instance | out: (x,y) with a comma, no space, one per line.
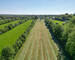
(55,28)
(64,34)
(63,17)
(10,37)
(72,20)
(22,38)
(4,25)
(7,53)
(70,45)
(58,31)
(5,21)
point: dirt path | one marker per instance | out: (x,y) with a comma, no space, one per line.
(39,45)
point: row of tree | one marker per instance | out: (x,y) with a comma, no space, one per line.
(65,17)
(6,18)
(8,53)
(5,21)
(17,17)
(11,26)
(65,35)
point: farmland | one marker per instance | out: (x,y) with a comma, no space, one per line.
(13,35)
(37,38)
(37,30)
(38,48)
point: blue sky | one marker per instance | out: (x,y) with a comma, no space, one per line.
(37,6)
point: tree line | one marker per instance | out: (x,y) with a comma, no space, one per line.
(65,34)
(10,26)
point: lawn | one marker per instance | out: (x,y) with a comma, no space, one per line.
(10,37)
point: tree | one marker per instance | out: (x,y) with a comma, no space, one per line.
(66,14)
(58,31)
(73,20)
(70,45)
(7,53)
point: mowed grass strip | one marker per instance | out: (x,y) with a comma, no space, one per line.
(10,37)
(13,22)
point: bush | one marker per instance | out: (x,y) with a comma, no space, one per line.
(10,26)
(15,48)
(7,53)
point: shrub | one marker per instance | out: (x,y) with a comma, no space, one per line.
(7,53)
(15,48)
(10,26)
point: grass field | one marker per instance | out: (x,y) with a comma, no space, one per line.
(9,38)
(39,45)
(13,22)
(59,22)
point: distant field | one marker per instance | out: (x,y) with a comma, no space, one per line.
(10,37)
(59,22)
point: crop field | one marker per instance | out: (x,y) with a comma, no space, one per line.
(39,45)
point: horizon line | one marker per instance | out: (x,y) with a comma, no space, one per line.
(31,14)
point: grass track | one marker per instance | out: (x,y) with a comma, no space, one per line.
(38,45)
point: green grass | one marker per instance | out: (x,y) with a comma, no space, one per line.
(59,22)
(10,37)
(13,22)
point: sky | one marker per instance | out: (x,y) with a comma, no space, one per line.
(37,6)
